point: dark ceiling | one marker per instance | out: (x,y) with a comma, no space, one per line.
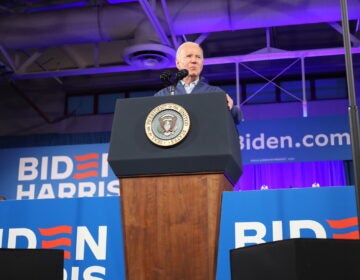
(98,46)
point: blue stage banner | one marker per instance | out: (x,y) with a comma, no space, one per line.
(295,140)
(57,172)
(82,170)
(87,229)
(254,217)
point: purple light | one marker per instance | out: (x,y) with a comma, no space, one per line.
(292,175)
(57,7)
(120,1)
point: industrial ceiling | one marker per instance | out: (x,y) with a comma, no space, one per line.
(86,46)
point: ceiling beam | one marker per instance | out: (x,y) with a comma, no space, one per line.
(155,22)
(9,60)
(339,29)
(208,61)
(74,56)
(30,60)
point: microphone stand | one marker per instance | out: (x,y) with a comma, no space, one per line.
(165,77)
(173,88)
(179,76)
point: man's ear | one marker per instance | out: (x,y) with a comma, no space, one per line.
(177,64)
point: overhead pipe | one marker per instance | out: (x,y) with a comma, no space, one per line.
(118,22)
(70,26)
(194,17)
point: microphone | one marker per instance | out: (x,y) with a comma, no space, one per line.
(178,76)
(165,78)
(181,74)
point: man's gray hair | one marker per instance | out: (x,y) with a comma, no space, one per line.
(179,50)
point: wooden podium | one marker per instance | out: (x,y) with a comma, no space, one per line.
(171,196)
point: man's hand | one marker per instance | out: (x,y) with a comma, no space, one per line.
(230,102)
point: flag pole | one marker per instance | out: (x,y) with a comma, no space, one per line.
(353,108)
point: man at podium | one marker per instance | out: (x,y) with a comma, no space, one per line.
(171,180)
(190,62)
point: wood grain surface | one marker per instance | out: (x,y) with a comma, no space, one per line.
(171,226)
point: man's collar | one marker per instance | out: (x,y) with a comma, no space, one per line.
(194,82)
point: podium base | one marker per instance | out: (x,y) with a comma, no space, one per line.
(171,225)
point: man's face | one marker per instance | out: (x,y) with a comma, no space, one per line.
(191,58)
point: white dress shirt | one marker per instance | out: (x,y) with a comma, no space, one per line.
(189,87)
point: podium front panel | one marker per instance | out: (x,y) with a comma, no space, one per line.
(212,144)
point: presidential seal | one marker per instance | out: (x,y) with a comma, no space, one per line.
(167,124)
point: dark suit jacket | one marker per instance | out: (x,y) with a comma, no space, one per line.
(202,87)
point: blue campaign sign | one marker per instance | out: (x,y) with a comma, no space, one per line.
(295,139)
(254,217)
(87,229)
(83,171)
(57,172)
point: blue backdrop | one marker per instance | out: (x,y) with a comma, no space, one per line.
(295,139)
(67,171)
(89,229)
